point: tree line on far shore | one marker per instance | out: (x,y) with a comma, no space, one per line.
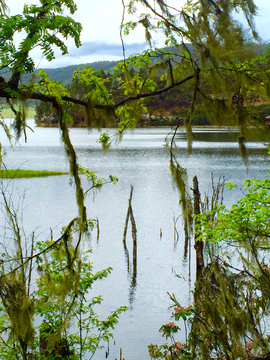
(166,109)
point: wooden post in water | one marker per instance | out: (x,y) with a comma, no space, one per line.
(186,238)
(134,237)
(130,216)
(126,227)
(97,230)
(134,265)
(198,244)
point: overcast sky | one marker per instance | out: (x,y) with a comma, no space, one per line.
(100,38)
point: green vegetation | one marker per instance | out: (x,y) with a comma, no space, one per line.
(20,173)
(60,296)
(6,112)
(225,78)
(231,297)
(166,108)
(65,74)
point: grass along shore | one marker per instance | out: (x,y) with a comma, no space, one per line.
(20,173)
(7,113)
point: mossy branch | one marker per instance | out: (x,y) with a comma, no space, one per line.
(25,260)
(7,94)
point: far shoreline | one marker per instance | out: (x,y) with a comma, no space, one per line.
(182,127)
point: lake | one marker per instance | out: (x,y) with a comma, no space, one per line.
(139,160)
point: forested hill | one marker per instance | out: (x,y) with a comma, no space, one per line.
(163,109)
(64,74)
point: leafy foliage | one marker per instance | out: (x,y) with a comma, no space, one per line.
(42,24)
(226,77)
(58,316)
(231,297)
(62,294)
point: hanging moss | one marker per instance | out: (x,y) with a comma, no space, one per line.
(179,179)
(74,168)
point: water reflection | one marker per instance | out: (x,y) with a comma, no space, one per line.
(141,160)
(227,135)
(131,270)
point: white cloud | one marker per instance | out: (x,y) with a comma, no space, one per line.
(100,37)
(263,19)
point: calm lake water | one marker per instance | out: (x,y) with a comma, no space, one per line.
(139,160)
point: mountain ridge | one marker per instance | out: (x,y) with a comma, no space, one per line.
(65,74)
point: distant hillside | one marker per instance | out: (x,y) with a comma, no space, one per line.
(65,74)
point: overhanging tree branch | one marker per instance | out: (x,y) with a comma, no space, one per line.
(51,99)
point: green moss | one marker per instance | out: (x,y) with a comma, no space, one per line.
(19,173)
